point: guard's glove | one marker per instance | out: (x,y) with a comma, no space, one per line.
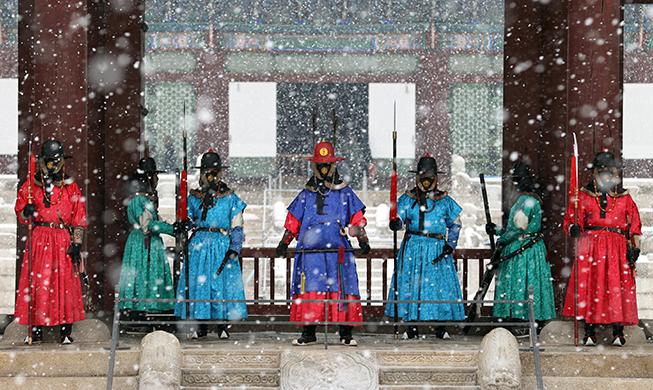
(574,231)
(281,250)
(632,254)
(231,254)
(180,227)
(29,210)
(491,229)
(75,253)
(364,247)
(396,224)
(447,250)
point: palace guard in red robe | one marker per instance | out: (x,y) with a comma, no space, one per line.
(608,228)
(56,207)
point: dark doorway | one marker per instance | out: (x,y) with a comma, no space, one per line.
(297,131)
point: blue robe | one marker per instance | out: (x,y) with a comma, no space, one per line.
(324,232)
(206,251)
(417,277)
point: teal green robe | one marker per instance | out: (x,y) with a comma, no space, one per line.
(142,277)
(530,268)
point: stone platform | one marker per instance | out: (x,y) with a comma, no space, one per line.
(268,361)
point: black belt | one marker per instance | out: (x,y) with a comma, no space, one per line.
(212,230)
(437,236)
(52,225)
(607,229)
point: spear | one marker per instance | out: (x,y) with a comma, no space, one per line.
(31,166)
(393,216)
(573,190)
(182,212)
(314,124)
(334,120)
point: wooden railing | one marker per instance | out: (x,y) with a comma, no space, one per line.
(261,268)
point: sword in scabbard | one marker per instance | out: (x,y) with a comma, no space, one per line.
(31,167)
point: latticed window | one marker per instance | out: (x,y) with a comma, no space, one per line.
(8,22)
(638,27)
(165,122)
(475,123)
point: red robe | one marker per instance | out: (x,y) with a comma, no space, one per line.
(57,292)
(606,283)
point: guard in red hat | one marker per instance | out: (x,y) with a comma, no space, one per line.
(321,217)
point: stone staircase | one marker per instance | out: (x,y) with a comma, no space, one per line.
(54,368)
(230,369)
(233,369)
(428,369)
(592,369)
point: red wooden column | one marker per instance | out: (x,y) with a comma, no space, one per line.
(121,88)
(432,110)
(213,87)
(558,81)
(52,75)
(80,82)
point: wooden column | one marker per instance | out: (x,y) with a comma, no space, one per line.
(432,111)
(214,89)
(121,88)
(52,84)
(80,82)
(558,81)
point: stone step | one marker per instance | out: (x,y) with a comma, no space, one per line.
(76,383)
(430,387)
(233,377)
(231,388)
(598,363)
(591,383)
(206,360)
(441,376)
(465,359)
(39,361)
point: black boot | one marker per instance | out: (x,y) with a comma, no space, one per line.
(65,330)
(37,335)
(307,337)
(589,340)
(223,331)
(441,333)
(346,337)
(410,333)
(201,331)
(618,338)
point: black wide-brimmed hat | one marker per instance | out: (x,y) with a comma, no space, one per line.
(426,164)
(147,165)
(521,170)
(52,149)
(211,160)
(604,160)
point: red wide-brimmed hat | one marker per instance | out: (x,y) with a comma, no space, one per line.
(324,153)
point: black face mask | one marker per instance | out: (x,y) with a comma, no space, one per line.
(323,170)
(53,169)
(211,180)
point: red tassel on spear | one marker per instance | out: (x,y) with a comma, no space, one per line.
(31,168)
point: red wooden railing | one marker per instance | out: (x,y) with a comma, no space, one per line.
(260,268)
